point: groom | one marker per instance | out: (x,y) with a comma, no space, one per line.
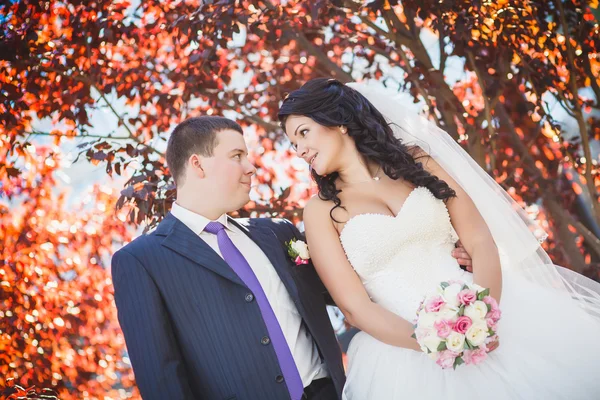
(213,307)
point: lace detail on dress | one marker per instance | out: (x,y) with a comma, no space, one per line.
(401,258)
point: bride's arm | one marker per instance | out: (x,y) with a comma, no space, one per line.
(472,231)
(345,286)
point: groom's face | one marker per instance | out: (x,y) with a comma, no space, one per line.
(229,171)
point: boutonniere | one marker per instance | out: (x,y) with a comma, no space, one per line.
(298,250)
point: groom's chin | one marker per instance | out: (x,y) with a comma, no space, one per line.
(243,200)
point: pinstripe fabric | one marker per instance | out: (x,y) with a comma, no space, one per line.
(190,330)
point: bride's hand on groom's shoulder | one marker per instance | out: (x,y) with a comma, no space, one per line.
(462,257)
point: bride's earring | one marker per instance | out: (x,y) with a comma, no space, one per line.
(344,130)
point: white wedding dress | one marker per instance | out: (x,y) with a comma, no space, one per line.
(549,348)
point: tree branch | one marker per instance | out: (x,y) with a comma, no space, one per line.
(90,82)
(548,194)
(417,84)
(585,141)
(122,122)
(593,80)
(335,69)
(564,103)
(40,133)
(588,236)
(443,55)
(486,108)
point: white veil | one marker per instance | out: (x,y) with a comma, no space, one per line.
(512,230)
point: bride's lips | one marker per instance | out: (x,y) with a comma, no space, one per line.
(312,159)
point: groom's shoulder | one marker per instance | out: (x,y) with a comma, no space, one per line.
(141,245)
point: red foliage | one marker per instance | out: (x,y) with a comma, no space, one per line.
(155,64)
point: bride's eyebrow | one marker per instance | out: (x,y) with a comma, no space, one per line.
(296,131)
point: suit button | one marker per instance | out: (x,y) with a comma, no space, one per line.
(249,297)
(279,378)
(265,340)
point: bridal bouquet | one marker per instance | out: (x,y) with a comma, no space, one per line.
(455,324)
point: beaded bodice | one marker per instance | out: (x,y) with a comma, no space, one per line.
(401,259)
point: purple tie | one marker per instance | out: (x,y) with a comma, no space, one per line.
(240,266)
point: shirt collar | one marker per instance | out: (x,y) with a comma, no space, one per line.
(196,222)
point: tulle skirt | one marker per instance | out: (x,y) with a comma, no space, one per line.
(549,349)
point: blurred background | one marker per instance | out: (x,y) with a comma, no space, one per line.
(90,90)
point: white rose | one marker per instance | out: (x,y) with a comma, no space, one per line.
(439,290)
(447,312)
(476,311)
(426,320)
(431,342)
(420,333)
(451,294)
(301,248)
(455,342)
(477,333)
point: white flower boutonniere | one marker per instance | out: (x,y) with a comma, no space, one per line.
(298,250)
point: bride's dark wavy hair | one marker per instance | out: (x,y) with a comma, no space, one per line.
(331,103)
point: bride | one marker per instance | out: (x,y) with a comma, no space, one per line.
(395,193)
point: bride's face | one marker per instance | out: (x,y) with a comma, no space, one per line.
(318,145)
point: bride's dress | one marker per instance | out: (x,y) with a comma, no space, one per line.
(549,348)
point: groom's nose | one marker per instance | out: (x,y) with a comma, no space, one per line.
(249,169)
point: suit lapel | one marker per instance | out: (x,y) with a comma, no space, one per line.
(182,240)
(273,249)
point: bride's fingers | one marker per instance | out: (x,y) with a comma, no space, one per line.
(460,253)
(467,262)
(468,268)
(456,253)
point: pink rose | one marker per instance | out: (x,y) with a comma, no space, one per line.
(434,304)
(300,261)
(463,324)
(443,328)
(491,323)
(474,356)
(446,359)
(494,315)
(492,302)
(467,296)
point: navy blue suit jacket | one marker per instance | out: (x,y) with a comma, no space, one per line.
(192,331)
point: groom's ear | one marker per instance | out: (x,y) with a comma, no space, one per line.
(195,165)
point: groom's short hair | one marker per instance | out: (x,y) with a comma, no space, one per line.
(195,136)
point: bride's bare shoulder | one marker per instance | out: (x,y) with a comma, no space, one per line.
(421,156)
(324,214)
(317,207)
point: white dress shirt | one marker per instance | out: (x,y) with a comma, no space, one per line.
(303,347)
